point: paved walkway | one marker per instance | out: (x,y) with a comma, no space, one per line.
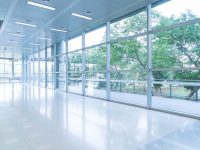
(179,105)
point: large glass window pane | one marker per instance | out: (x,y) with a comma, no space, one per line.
(176,57)
(17,68)
(50,72)
(75,72)
(36,68)
(50,52)
(8,68)
(96,72)
(175,11)
(61,81)
(128,71)
(75,44)
(177,90)
(129,26)
(95,37)
(179,47)
(50,67)
(61,74)
(42,68)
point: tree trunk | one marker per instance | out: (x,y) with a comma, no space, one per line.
(192,92)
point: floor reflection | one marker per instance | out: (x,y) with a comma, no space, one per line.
(45,119)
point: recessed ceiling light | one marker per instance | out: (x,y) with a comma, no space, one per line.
(40,5)
(88,12)
(34,44)
(59,30)
(26,24)
(16,34)
(81,16)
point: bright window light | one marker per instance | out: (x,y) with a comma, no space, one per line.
(26,24)
(81,16)
(59,30)
(40,5)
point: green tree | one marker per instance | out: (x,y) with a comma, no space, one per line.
(181,48)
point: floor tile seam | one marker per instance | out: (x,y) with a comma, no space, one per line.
(21,135)
(161,136)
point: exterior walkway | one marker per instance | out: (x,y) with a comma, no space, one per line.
(172,104)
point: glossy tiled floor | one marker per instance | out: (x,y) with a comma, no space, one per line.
(33,118)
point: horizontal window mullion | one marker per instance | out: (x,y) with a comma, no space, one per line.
(177,25)
(176,69)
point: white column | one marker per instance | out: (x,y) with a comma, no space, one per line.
(108,60)
(149,49)
(63,50)
(83,63)
(45,64)
(55,65)
(67,80)
(39,73)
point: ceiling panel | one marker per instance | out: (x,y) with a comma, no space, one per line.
(102,11)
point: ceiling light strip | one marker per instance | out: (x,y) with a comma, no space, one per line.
(81,16)
(59,30)
(16,34)
(40,5)
(26,24)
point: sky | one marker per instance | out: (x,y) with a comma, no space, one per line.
(176,7)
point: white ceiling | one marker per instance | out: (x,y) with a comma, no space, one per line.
(18,10)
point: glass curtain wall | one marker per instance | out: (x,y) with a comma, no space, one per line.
(7,70)
(10,68)
(17,69)
(1,70)
(75,65)
(50,67)
(42,68)
(31,73)
(129,59)
(61,74)
(176,56)
(115,64)
(95,63)
(36,68)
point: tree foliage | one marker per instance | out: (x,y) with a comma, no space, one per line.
(178,47)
